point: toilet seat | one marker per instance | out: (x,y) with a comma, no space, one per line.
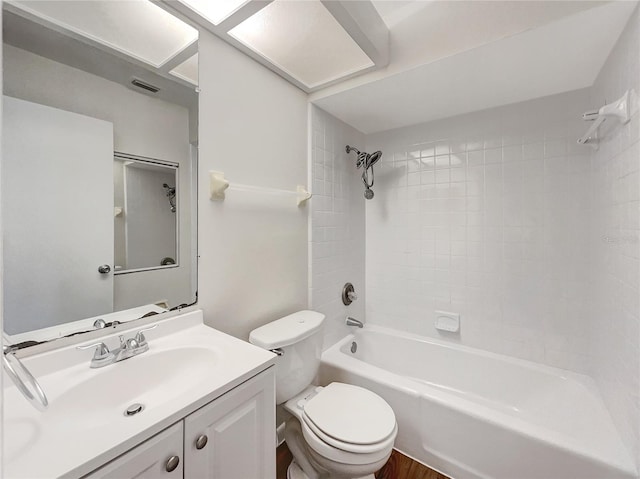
(350,416)
(347,446)
(317,445)
(345,423)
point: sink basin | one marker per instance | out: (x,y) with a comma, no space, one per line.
(187,365)
(151,379)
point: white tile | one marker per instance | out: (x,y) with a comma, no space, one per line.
(493,155)
(614,274)
(512,153)
(533,151)
(554,147)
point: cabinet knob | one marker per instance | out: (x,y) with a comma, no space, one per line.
(172,463)
(201,441)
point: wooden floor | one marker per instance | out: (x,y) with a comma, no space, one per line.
(398,466)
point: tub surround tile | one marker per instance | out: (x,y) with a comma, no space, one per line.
(491,231)
(336,242)
(615,245)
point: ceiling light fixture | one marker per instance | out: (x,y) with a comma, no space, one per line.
(304,40)
(139,29)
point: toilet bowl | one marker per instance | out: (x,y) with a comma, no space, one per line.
(344,430)
(336,431)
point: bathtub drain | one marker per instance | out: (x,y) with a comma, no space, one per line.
(354,347)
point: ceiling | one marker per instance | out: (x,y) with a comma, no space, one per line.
(423,59)
(310,43)
(449,58)
(139,32)
(61,42)
(302,38)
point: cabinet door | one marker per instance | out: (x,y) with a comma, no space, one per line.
(149,460)
(240,432)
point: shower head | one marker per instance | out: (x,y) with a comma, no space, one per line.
(170,192)
(366,161)
(373,158)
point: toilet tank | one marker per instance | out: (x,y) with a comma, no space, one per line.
(298,337)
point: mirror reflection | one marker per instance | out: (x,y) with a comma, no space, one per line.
(99,160)
(145,214)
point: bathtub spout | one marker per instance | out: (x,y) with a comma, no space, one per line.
(354,322)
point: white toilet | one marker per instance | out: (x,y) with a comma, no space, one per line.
(337,431)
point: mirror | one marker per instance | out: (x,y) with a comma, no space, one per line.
(99,162)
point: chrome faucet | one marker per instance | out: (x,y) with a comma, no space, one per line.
(354,322)
(127,349)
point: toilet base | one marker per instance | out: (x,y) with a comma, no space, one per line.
(295,472)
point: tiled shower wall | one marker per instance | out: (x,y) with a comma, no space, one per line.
(616,243)
(336,239)
(486,215)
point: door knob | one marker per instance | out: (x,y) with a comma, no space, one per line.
(104,269)
(201,441)
(172,463)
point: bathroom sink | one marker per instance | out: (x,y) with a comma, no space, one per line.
(187,366)
(151,379)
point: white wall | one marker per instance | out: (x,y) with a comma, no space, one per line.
(143,126)
(252,247)
(615,235)
(485,215)
(337,223)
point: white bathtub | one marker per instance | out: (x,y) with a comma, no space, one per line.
(473,414)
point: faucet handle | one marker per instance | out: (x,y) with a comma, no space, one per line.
(130,343)
(100,324)
(102,351)
(141,340)
(348,294)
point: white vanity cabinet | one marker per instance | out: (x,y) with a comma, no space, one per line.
(234,436)
(231,437)
(158,457)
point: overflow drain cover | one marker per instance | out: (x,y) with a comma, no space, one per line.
(133,409)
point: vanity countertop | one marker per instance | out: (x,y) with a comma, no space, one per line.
(188,365)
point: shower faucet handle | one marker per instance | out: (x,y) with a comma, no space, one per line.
(348,294)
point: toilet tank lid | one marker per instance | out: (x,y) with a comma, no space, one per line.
(288,330)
